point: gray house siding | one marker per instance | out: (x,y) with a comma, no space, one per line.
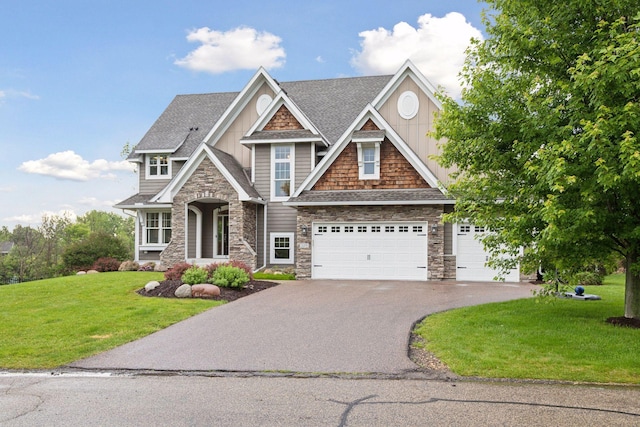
(280,219)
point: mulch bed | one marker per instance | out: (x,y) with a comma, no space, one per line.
(168,288)
(624,321)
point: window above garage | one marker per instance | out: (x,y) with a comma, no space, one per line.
(368,146)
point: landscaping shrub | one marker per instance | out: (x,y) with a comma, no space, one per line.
(176,272)
(106,264)
(195,275)
(129,266)
(211,269)
(147,266)
(586,278)
(83,254)
(241,265)
(230,277)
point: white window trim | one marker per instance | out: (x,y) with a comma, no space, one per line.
(361,146)
(273,259)
(145,245)
(292,172)
(148,158)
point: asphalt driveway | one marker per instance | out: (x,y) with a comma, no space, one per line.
(319,326)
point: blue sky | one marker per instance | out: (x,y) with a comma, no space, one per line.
(79,79)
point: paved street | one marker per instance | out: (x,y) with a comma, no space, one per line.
(271,401)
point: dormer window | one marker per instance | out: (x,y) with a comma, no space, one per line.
(369,160)
(158,166)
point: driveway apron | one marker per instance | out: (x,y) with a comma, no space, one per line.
(319,326)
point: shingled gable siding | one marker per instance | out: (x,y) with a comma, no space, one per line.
(283,120)
(205,183)
(395,172)
(432,213)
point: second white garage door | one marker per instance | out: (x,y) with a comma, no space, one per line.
(471,257)
(370,251)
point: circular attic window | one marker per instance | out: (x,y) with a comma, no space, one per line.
(408,105)
(262,103)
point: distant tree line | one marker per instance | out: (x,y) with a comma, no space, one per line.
(61,246)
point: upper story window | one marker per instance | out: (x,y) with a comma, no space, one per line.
(282,171)
(158,228)
(158,166)
(369,160)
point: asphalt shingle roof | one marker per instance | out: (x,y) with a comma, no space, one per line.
(333,104)
(185,122)
(236,170)
(330,104)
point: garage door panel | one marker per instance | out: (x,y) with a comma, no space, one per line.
(371,251)
(471,259)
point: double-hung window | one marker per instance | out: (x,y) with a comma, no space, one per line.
(158,228)
(282,172)
(158,166)
(282,248)
(368,160)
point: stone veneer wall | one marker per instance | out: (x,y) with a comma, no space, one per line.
(450,267)
(204,184)
(430,213)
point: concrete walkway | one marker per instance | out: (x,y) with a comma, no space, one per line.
(317,326)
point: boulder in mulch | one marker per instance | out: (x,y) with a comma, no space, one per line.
(205,290)
(183,291)
(151,285)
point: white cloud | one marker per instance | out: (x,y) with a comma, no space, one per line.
(237,49)
(36,219)
(23,219)
(320,59)
(12,93)
(95,203)
(437,47)
(67,165)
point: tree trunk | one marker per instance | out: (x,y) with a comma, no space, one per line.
(632,288)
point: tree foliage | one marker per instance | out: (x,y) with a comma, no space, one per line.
(83,254)
(545,136)
(37,253)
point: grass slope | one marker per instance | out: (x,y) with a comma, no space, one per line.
(560,339)
(48,323)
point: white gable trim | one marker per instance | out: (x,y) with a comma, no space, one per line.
(238,105)
(202,152)
(369,113)
(408,69)
(280,100)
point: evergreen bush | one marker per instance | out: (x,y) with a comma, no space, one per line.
(230,277)
(195,275)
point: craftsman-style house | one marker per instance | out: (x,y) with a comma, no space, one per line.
(333,177)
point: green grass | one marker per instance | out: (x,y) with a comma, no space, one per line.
(48,323)
(532,339)
(273,276)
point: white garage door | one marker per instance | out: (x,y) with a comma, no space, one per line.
(370,251)
(471,258)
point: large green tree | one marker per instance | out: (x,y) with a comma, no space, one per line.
(545,136)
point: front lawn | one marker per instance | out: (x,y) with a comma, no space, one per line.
(530,339)
(48,323)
